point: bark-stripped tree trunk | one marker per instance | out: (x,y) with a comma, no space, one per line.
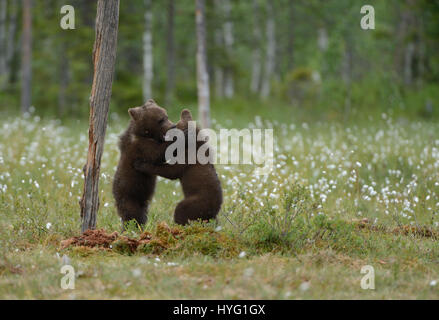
(270,53)
(147,53)
(256,54)
(26,57)
(229,89)
(104,58)
(202,72)
(170,53)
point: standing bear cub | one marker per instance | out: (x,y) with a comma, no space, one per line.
(201,187)
(144,138)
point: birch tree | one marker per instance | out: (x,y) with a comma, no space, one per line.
(202,72)
(256,51)
(229,89)
(26,57)
(147,52)
(104,58)
(170,53)
(270,51)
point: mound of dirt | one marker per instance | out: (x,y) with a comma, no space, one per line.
(91,238)
(164,239)
(101,239)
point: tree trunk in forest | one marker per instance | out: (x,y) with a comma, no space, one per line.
(270,51)
(408,54)
(256,52)
(408,62)
(104,58)
(64,77)
(170,54)
(202,72)
(147,53)
(3,11)
(347,66)
(26,57)
(291,26)
(229,89)
(10,45)
(322,39)
(218,67)
(218,70)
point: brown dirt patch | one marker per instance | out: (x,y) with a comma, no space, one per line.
(101,239)
(91,238)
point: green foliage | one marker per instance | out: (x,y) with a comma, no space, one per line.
(376,81)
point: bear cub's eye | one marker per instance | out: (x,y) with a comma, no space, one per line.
(162,120)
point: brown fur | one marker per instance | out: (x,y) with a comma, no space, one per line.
(201,186)
(143,138)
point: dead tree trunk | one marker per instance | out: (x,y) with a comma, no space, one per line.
(202,73)
(104,58)
(26,57)
(170,54)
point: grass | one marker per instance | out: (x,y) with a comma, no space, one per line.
(298,233)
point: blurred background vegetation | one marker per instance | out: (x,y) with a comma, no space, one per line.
(283,59)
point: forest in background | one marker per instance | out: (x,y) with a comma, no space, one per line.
(355,179)
(263,56)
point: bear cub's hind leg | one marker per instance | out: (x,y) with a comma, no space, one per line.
(192,209)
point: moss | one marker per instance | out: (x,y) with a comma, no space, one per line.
(196,238)
(155,246)
(124,245)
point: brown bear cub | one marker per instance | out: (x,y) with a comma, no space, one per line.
(201,187)
(144,138)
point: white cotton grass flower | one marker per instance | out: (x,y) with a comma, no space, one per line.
(249,272)
(433,283)
(137,272)
(304,286)
(48,225)
(242,254)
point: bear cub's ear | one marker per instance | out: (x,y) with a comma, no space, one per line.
(150,102)
(186,115)
(133,113)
